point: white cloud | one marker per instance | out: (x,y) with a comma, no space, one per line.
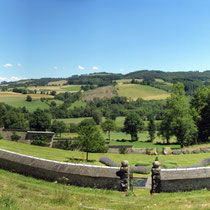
(8,65)
(19,64)
(95,68)
(81,67)
(121,70)
(55,67)
(11,79)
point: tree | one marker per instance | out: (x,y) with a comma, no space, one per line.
(58,127)
(14,119)
(108,126)
(40,120)
(28,98)
(151,129)
(179,117)
(133,123)
(204,123)
(86,122)
(97,116)
(91,140)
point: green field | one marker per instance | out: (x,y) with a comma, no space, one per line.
(77,104)
(134,91)
(72,88)
(21,192)
(20,101)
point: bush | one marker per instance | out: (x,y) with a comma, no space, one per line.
(139,169)
(123,150)
(40,141)
(176,152)
(143,163)
(74,128)
(15,136)
(195,151)
(205,150)
(186,152)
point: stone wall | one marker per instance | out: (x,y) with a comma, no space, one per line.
(68,173)
(184,179)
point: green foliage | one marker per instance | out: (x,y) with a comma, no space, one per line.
(40,141)
(133,123)
(151,129)
(1,137)
(14,119)
(108,126)
(15,136)
(40,120)
(73,128)
(179,118)
(58,127)
(97,116)
(87,122)
(91,139)
(28,98)
(123,150)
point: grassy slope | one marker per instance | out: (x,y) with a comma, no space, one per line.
(135,91)
(63,155)
(77,104)
(20,192)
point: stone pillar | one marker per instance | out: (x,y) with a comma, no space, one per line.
(156,182)
(124,174)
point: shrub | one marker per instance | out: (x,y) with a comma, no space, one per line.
(40,141)
(195,151)
(205,150)
(176,152)
(140,170)
(108,162)
(186,152)
(15,136)
(123,150)
(74,128)
(151,151)
(143,163)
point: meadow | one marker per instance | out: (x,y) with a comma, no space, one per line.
(19,100)
(19,192)
(134,91)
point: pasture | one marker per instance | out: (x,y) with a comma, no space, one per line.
(19,100)
(135,91)
(57,88)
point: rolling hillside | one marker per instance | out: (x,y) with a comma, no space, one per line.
(135,91)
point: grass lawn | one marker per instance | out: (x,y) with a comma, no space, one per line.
(135,91)
(21,192)
(64,155)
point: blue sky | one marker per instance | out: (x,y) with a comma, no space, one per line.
(60,38)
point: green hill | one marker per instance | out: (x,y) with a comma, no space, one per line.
(135,91)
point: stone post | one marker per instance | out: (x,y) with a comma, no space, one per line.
(124,174)
(156,182)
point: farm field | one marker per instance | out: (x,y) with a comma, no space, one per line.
(66,155)
(57,88)
(21,192)
(60,82)
(77,104)
(19,100)
(134,91)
